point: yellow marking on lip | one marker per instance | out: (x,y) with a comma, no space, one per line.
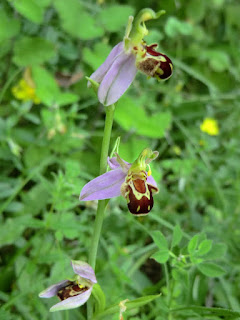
(160,71)
(138,208)
(162,59)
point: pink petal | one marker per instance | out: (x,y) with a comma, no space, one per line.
(106,186)
(53,290)
(84,270)
(73,302)
(113,164)
(117,79)
(151,181)
(102,70)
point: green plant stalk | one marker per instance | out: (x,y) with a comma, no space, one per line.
(101,203)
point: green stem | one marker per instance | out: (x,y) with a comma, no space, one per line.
(101,203)
(167,283)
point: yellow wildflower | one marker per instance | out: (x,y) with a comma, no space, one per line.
(25,88)
(210,126)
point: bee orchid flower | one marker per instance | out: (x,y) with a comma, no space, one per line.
(133,181)
(118,71)
(72,293)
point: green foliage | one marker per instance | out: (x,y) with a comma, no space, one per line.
(76,21)
(211,269)
(131,116)
(30,9)
(115,17)
(32,51)
(177,235)
(182,260)
(48,91)
(209,312)
(96,55)
(163,254)
(9,27)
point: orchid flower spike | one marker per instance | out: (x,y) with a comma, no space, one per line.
(118,71)
(133,181)
(72,293)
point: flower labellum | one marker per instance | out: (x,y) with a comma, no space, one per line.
(155,64)
(72,293)
(132,181)
(138,192)
(118,71)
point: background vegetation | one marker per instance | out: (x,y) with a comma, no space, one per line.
(51,131)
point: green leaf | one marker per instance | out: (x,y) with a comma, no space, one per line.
(211,269)
(139,302)
(66,223)
(43,3)
(65,98)
(99,296)
(226,313)
(7,315)
(196,74)
(9,27)
(196,10)
(31,198)
(219,61)
(115,17)
(30,9)
(114,309)
(174,27)
(46,86)
(32,51)
(159,239)
(76,21)
(232,14)
(192,245)
(47,89)
(34,155)
(204,247)
(13,228)
(161,256)
(133,117)
(177,235)
(217,251)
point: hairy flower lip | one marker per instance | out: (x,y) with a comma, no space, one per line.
(85,280)
(113,183)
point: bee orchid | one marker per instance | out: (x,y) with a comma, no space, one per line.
(133,181)
(72,293)
(118,71)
